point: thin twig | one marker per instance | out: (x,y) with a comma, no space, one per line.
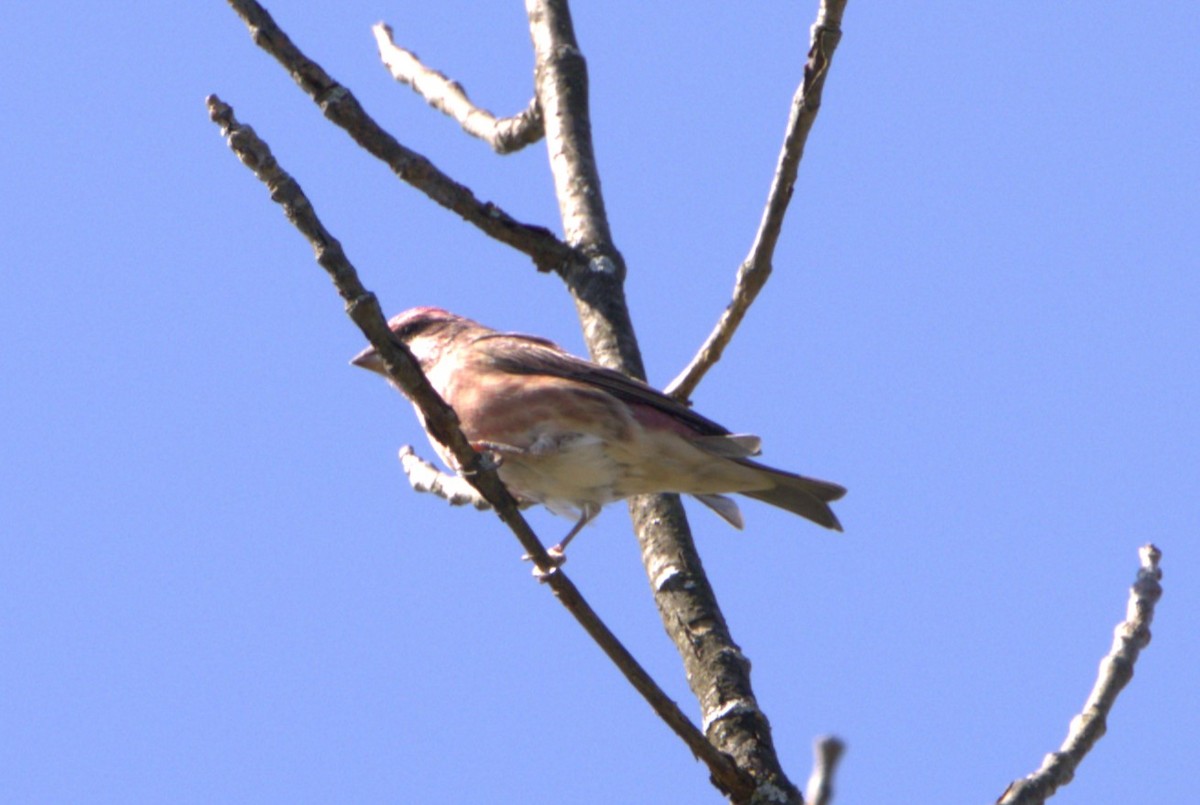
(756,268)
(1116,669)
(827,752)
(424,477)
(504,135)
(442,422)
(340,106)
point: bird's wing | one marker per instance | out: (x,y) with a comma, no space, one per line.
(539,356)
(730,445)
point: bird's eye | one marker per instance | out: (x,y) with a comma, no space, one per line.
(412,328)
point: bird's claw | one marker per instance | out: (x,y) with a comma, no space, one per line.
(490,457)
(557,560)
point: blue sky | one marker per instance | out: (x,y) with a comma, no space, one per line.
(215,584)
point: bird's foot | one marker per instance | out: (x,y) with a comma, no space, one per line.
(493,452)
(557,559)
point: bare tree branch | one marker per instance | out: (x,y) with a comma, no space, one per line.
(505,135)
(364,309)
(738,748)
(756,268)
(1116,669)
(442,422)
(597,285)
(717,671)
(424,477)
(340,106)
(827,752)
(594,272)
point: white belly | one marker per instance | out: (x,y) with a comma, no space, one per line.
(566,473)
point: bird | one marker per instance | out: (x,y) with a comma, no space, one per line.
(574,436)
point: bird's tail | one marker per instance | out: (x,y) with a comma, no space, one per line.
(807,497)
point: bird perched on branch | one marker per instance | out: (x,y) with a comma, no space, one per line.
(574,436)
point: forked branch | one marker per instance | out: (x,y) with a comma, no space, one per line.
(442,422)
(340,106)
(504,135)
(717,671)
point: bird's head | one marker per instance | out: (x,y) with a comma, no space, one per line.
(424,330)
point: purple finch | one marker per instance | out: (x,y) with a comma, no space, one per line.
(573,435)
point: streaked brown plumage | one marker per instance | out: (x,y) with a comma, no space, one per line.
(574,436)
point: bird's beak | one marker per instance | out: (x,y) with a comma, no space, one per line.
(368,359)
